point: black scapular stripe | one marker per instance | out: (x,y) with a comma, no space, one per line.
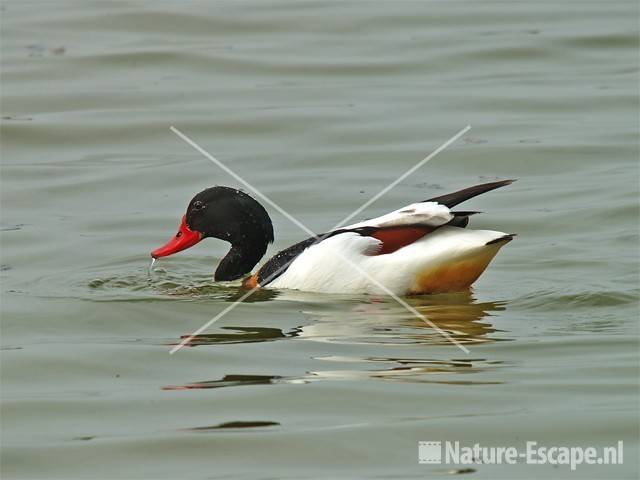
(277,264)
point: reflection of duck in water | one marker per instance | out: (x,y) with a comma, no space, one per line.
(387,322)
(379,340)
(363,319)
(421,248)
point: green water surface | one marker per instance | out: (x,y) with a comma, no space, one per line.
(320,105)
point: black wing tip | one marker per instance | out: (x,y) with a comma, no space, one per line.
(505,238)
(464,213)
(452,199)
(497,184)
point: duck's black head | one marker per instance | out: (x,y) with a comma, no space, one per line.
(228,214)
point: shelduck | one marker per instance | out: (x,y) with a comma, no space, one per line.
(422,248)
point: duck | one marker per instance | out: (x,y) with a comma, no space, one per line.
(422,248)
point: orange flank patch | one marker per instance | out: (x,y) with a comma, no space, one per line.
(395,238)
(250,282)
(453,276)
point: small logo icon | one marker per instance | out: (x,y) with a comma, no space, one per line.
(429,452)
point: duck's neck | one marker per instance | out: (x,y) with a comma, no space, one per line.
(239,261)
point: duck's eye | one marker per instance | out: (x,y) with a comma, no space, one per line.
(198,205)
(178,235)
